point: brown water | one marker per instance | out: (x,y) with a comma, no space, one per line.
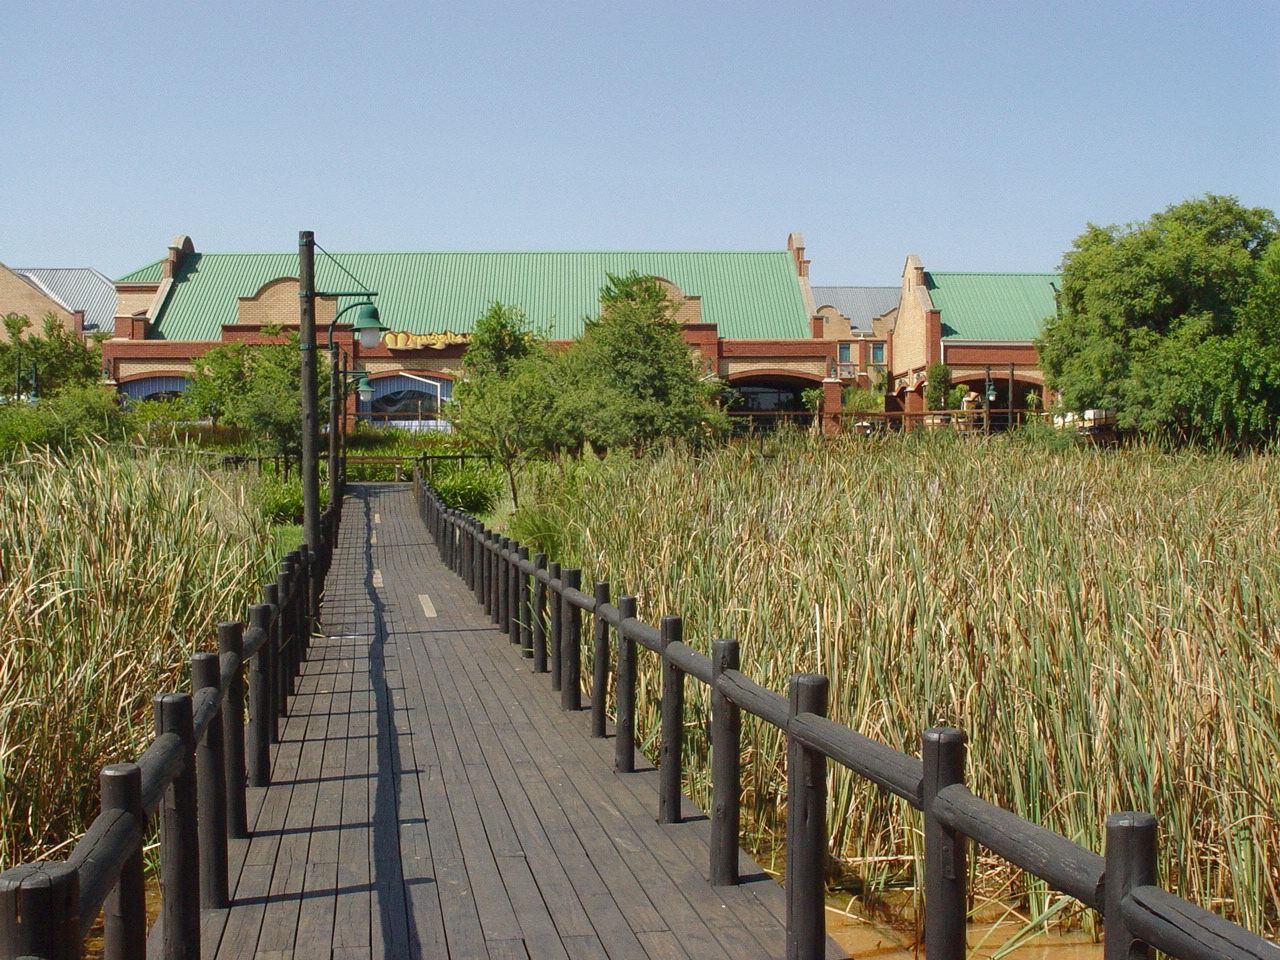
(865,937)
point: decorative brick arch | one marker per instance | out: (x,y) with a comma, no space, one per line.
(776,373)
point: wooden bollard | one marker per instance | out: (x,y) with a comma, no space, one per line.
(599,661)
(726,769)
(513,592)
(523,613)
(273,624)
(211,788)
(504,585)
(624,732)
(553,605)
(669,752)
(40,912)
(537,616)
(806,828)
(260,701)
(571,645)
(124,914)
(179,839)
(231,642)
(1131,861)
(946,859)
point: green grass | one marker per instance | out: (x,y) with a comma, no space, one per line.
(1105,625)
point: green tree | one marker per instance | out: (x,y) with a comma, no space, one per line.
(636,380)
(257,388)
(504,405)
(1149,322)
(60,357)
(937,388)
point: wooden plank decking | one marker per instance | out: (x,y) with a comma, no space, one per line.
(430,799)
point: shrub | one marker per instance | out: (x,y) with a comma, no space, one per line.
(470,488)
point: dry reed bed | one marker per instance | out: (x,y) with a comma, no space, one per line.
(113,571)
(1103,624)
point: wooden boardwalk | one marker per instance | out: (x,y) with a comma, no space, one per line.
(429,798)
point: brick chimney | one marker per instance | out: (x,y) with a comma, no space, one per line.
(179,249)
(795,244)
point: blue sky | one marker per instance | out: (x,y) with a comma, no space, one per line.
(980,136)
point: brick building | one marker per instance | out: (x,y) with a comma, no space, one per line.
(79,298)
(750,315)
(969,321)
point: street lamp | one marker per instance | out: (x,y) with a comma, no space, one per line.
(367,327)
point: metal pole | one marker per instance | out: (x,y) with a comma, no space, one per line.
(307,349)
(333,422)
(1011,396)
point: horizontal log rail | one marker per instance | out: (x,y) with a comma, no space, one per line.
(192,776)
(538,600)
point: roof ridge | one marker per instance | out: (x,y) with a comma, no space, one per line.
(997,273)
(495,253)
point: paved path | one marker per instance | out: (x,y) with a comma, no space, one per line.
(430,799)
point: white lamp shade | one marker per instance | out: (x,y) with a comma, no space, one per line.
(369,339)
(366,394)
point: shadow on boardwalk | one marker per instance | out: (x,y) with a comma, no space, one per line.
(430,798)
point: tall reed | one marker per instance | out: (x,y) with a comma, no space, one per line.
(1104,625)
(113,570)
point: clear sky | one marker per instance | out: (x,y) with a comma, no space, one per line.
(982,136)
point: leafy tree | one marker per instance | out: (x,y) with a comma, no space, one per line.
(937,388)
(1151,321)
(255,387)
(862,400)
(504,405)
(642,381)
(61,357)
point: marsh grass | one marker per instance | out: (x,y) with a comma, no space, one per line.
(1104,625)
(114,569)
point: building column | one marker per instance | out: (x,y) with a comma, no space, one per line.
(832,403)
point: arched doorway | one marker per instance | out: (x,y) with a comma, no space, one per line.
(764,399)
(410,401)
(154,387)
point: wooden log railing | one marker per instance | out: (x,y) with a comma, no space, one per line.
(1121,884)
(193,775)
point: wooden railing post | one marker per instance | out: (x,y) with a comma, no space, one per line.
(124,915)
(231,642)
(260,706)
(211,788)
(946,852)
(504,585)
(473,558)
(571,645)
(553,603)
(537,616)
(284,644)
(481,565)
(599,661)
(670,751)
(726,769)
(272,623)
(523,613)
(491,575)
(513,592)
(806,827)
(1131,861)
(624,731)
(179,840)
(40,912)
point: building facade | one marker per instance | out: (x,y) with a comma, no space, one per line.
(748,315)
(78,298)
(979,324)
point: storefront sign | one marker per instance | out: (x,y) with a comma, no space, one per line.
(399,340)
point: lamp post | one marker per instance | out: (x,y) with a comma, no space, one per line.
(988,397)
(307,294)
(367,328)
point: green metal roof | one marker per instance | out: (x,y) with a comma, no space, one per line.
(993,306)
(747,295)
